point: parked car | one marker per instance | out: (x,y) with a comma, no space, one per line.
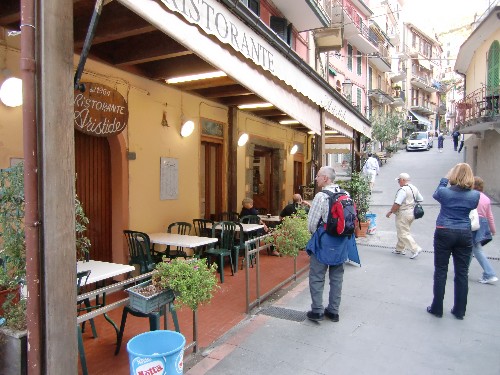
(419,141)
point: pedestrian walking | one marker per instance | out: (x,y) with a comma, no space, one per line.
(326,252)
(483,235)
(371,169)
(462,141)
(440,142)
(453,236)
(403,206)
(455,135)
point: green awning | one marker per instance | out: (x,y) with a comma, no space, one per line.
(332,71)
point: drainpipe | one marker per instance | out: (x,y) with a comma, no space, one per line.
(28,67)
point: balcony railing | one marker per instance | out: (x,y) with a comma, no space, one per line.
(480,105)
(359,23)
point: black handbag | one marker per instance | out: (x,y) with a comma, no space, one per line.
(418,210)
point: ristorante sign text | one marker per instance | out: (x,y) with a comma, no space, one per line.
(100,110)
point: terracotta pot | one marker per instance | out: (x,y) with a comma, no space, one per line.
(4,294)
(361,232)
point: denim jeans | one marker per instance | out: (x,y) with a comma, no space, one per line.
(317,272)
(488,271)
(458,244)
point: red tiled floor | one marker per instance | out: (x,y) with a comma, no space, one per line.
(226,309)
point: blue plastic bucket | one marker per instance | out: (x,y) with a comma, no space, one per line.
(372,226)
(156,352)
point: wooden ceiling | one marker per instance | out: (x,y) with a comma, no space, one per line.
(128,42)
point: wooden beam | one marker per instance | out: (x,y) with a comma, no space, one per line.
(183,65)
(336,140)
(223,91)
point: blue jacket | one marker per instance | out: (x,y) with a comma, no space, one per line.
(456,204)
(332,250)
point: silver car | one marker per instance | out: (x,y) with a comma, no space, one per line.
(419,141)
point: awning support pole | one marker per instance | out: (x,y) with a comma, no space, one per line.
(87,44)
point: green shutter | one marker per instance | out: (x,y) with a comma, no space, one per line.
(493,80)
(349,57)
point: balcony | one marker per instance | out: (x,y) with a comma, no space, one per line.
(422,82)
(398,76)
(380,96)
(305,14)
(356,30)
(421,107)
(479,111)
(381,59)
(329,39)
(441,109)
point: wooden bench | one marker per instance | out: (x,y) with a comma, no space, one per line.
(381,156)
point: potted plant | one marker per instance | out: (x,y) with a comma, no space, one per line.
(13,261)
(192,280)
(291,235)
(358,188)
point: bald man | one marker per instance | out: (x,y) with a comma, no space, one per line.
(291,208)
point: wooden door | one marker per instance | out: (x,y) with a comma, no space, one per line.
(298,177)
(93,187)
(262,179)
(211,179)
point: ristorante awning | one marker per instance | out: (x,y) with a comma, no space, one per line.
(216,35)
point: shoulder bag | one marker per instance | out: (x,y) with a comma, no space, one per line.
(474,220)
(418,210)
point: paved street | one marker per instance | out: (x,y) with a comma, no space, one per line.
(383,328)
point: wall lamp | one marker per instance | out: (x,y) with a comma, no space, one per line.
(187,128)
(11,92)
(243,139)
(294,149)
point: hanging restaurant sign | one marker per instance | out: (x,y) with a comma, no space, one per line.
(100,110)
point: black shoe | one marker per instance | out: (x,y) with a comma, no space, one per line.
(333,317)
(315,317)
(429,310)
(457,316)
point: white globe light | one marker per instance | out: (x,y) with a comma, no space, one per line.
(243,139)
(11,92)
(294,149)
(187,128)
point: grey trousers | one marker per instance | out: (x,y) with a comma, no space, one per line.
(317,272)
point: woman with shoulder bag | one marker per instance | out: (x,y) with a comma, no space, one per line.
(483,235)
(453,236)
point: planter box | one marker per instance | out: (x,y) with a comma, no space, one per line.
(145,304)
(13,352)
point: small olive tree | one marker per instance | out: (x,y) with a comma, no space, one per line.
(385,127)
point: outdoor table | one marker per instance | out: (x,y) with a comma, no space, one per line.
(270,219)
(181,240)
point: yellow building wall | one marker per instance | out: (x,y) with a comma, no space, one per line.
(149,140)
(11,125)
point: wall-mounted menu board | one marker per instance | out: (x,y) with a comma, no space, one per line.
(169,178)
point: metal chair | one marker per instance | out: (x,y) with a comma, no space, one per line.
(229,216)
(226,246)
(179,227)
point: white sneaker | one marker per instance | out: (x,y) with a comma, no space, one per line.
(415,254)
(399,252)
(489,280)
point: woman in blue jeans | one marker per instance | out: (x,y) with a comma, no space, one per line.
(453,236)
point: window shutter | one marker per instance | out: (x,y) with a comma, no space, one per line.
(359,63)
(279,26)
(254,6)
(349,57)
(289,34)
(493,61)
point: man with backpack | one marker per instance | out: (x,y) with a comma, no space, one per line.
(330,244)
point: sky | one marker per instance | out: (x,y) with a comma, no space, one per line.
(443,15)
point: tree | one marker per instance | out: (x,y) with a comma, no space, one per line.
(385,126)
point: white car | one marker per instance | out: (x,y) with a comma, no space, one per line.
(419,141)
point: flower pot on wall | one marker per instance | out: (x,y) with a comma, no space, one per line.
(13,352)
(361,232)
(4,295)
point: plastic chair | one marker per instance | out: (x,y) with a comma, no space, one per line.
(229,216)
(226,246)
(139,242)
(179,227)
(262,211)
(139,249)
(81,281)
(203,228)
(250,219)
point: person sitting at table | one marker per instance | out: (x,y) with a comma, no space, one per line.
(248,209)
(291,209)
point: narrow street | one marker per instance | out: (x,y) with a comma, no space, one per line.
(384,327)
